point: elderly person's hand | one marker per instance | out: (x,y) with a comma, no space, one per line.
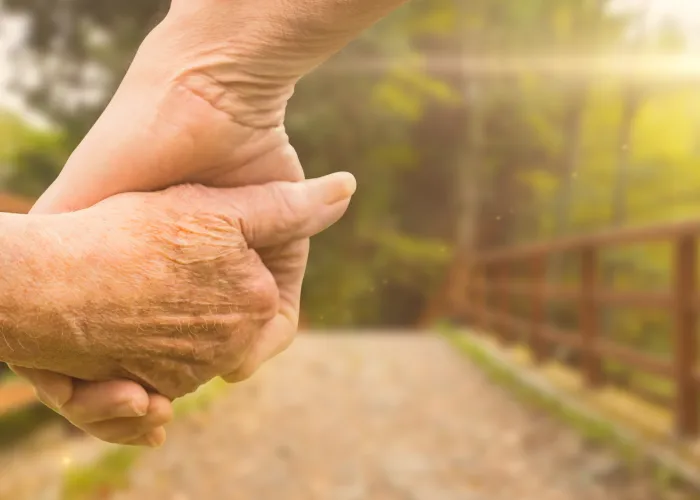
(168,289)
(204,102)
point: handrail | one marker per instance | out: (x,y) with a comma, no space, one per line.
(492,289)
(614,237)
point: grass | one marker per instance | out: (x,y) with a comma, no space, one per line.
(200,400)
(111,472)
(594,429)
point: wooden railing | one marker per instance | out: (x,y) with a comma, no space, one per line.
(492,288)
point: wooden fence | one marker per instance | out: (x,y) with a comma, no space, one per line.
(491,291)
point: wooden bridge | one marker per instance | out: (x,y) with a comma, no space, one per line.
(502,277)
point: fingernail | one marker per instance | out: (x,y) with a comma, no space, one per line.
(343,185)
(129,409)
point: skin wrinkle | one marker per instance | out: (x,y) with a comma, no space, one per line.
(21,345)
(257,147)
(205,87)
(157,317)
(244,58)
(7,342)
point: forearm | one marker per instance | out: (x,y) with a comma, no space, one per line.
(25,268)
(310,31)
(252,52)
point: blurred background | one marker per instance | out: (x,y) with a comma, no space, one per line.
(469,126)
(496,122)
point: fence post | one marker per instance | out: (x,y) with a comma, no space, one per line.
(486,309)
(480,301)
(504,301)
(471,297)
(539,281)
(500,304)
(589,319)
(514,301)
(685,343)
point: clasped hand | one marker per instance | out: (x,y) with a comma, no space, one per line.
(203,103)
(169,288)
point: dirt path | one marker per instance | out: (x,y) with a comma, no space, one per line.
(378,417)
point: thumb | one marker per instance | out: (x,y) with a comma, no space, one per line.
(279,212)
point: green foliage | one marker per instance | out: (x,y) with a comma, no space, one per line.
(201,399)
(101,34)
(30,158)
(108,475)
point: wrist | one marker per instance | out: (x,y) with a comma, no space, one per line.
(239,71)
(29,267)
(245,56)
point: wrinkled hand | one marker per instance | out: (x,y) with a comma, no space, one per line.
(193,108)
(176,292)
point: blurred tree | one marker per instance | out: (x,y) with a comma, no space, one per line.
(29,157)
(79,51)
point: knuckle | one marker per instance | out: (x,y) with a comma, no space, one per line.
(159,413)
(204,239)
(264,296)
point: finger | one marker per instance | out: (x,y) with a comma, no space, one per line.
(275,337)
(125,430)
(52,389)
(280,212)
(287,263)
(154,439)
(99,401)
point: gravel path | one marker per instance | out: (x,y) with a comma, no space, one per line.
(377,417)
